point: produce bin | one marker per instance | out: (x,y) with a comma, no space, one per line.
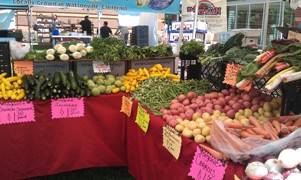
(291,97)
(5,64)
(190,65)
(167,62)
(85,67)
(259,83)
(50,67)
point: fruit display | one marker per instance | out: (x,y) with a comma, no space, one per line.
(105,84)
(11,87)
(133,78)
(60,85)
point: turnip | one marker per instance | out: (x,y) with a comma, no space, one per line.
(273,176)
(256,170)
(290,171)
(294,176)
(273,165)
(287,158)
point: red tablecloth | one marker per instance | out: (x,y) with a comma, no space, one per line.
(149,160)
(50,146)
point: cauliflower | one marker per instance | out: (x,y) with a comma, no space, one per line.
(90,49)
(77,55)
(80,46)
(50,57)
(62,50)
(57,46)
(64,57)
(83,52)
(72,48)
(50,51)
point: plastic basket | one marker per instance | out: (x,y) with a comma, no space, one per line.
(291,97)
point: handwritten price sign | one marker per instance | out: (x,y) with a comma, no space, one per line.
(23,67)
(231,74)
(172,141)
(100,67)
(16,112)
(67,108)
(142,118)
(206,167)
(126,106)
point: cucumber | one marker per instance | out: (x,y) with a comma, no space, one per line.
(47,92)
(43,87)
(41,75)
(31,97)
(63,78)
(82,92)
(68,85)
(31,81)
(54,91)
(43,96)
(87,92)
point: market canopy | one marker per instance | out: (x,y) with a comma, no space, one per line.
(155,6)
(13,7)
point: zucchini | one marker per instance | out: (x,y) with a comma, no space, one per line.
(56,78)
(72,80)
(63,78)
(25,82)
(37,95)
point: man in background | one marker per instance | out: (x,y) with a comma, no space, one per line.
(105,30)
(86,25)
(124,33)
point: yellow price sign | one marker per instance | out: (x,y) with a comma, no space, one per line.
(142,118)
(126,106)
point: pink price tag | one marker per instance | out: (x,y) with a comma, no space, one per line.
(16,112)
(206,167)
(67,108)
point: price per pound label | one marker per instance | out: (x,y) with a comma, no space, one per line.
(172,141)
(126,106)
(100,67)
(142,118)
(67,108)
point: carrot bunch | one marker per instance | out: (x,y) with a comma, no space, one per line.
(273,130)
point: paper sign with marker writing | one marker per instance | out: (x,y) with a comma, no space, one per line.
(206,167)
(235,177)
(126,106)
(231,74)
(246,85)
(100,67)
(67,108)
(16,112)
(23,67)
(172,141)
(142,118)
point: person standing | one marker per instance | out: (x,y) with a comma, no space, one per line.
(105,30)
(124,32)
(86,25)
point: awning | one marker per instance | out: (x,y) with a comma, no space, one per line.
(14,7)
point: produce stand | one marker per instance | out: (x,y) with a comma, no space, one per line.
(291,97)
(59,38)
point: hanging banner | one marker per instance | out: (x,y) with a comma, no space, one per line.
(155,6)
(213,12)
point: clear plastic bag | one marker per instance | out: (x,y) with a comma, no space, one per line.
(239,150)
(18,50)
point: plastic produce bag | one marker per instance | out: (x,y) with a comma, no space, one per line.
(18,50)
(239,150)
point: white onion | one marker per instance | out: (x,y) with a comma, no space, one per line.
(299,155)
(288,159)
(294,176)
(273,165)
(273,176)
(256,170)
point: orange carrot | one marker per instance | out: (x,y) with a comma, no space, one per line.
(289,123)
(261,132)
(232,131)
(274,137)
(255,122)
(244,134)
(250,131)
(284,128)
(235,125)
(276,125)
(272,128)
(297,122)
(292,128)
(216,154)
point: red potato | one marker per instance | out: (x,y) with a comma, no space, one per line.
(173,123)
(186,102)
(214,95)
(174,101)
(261,103)
(201,98)
(256,100)
(181,97)
(168,118)
(228,98)
(232,95)
(240,101)
(236,98)
(227,108)
(222,100)
(174,112)
(232,90)
(225,92)
(193,106)
(255,108)
(231,113)
(236,107)
(201,104)
(238,91)
(231,102)
(181,109)
(182,115)
(175,106)
(217,102)
(209,110)
(246,104)
(218,107)
(268,98)
(165,116)
(191,95)
(188,114)
(220,94)
(210,105)
(246,97)
(207,101)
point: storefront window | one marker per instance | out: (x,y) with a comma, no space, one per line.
(256,16)
(274,21)
(231,12)
(242,16)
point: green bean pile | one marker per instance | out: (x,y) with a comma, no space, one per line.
(156,93)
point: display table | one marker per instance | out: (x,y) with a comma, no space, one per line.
(56,38)
(149,160)
(104,137)
(50,146)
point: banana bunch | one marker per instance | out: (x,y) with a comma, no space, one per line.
(11,87)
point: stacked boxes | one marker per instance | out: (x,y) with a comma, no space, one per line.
(139,36)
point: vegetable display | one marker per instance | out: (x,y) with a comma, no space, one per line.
(60,85)
(11,87)
(136,52)
(192,48)
(156,92)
